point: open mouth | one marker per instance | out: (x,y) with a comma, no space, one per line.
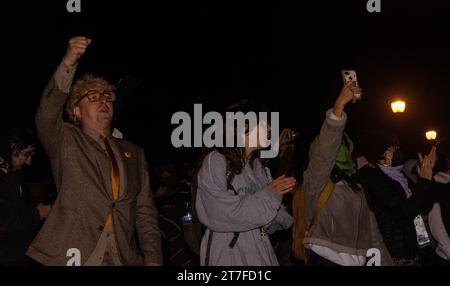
(104,109)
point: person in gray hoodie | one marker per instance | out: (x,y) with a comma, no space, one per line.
(439,216)
(346,230)
(239,204)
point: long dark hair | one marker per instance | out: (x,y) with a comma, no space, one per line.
(15,139)
(235,156)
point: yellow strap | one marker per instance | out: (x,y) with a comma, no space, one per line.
(323,199)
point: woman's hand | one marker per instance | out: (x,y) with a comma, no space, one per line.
(44,210)
(283,185)
(347,94)
(425,167)
(286,143)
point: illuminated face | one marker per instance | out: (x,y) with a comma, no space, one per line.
(391,157)
(258,137)
(22,158)
(95,108)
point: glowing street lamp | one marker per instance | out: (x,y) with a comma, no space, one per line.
(398,106)
(431,135)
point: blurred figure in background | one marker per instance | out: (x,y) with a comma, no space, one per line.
(286,163)
(398,203)
(439,217)
(171,199)
(19,221)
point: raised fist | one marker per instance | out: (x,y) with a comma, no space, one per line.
(77,47)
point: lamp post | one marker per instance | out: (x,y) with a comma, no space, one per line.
(398,106)
(431,135)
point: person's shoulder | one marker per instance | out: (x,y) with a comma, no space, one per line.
(129,146)
(72,130)
(370,169)
(72,127)
(214,160)
(127,143)
(215,157)
(128,149)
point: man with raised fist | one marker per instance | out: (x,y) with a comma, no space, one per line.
(104,207)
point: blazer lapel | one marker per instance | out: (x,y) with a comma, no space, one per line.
(103,164)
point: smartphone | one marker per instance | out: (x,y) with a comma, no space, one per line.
(350,76)
(293,135)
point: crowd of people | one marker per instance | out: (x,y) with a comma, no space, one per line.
(229,208)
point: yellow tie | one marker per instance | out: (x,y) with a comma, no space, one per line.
(115,177)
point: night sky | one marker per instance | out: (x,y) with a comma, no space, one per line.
(286,55)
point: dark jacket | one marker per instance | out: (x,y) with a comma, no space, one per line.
(176,251)
(18,220)
(395,212)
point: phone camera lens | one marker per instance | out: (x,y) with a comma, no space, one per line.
(292,135)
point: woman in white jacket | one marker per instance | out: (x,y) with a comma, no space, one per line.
(439,216)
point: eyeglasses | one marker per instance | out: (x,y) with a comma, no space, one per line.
(96,95)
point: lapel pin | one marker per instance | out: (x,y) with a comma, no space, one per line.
(127,154)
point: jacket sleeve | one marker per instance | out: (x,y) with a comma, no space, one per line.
(49,115)
(322,160)
(147,219)
(223,211)
(283,220)
(390,196)
(377,241)
(438,229)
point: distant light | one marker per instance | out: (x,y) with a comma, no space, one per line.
(398,106)
(431,135)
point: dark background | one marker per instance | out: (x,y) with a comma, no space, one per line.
(287,55)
